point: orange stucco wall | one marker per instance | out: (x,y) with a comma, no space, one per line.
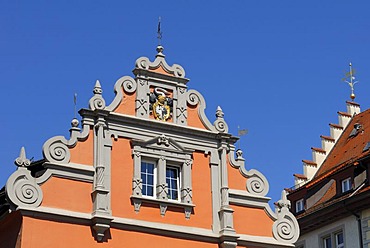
(82,152)
(193,117)
(67,194)
(127,105)
(122,172)
(261,222)
(161,70)
(46,234)
(10,230)
(236,179)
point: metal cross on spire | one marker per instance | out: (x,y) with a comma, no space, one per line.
(350,80)
(159,32)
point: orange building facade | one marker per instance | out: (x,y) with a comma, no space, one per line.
(147,170)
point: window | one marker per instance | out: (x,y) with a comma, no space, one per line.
(333,240)
(299,206)
(149,175)
(339,240)
(173,182)
(327,242)
(346,185)
(162,175)
(148,179)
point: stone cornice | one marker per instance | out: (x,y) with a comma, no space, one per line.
(169,230)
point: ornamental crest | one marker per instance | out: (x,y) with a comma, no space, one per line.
(160,104)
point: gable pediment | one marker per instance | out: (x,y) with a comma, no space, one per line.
(161,142)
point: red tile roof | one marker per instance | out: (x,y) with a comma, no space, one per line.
(347,148)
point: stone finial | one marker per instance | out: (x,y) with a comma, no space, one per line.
(74,122)
(97,88)
(285,228)
(239,154)
(97,101)
(283,204)
(219,113)
(22,161)
(220,123)
(160,51)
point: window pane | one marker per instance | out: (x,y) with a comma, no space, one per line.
(299,206)
(147,177)
(150,190)
(172,180)
(339,240)
(143,191)
(346,185)
(327,242)
(150,179)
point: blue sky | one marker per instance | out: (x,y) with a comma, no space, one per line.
(275,68)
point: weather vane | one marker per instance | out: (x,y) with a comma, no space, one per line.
(241,132)
(350,80)
(159,32)
(75,104)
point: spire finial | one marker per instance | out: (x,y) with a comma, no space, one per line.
(350,80)
(74,122)
(97,88)
(22,160)
(159,36)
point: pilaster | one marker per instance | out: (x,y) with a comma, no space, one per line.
(181,107)
(101,193)
(226,212)
(142,98)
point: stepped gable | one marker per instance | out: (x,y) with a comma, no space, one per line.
(350,146)
(319,155)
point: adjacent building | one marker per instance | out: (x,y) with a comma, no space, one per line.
(331,200)
(147,170)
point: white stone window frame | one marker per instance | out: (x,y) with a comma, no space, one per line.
(163,156)
(178,181)
(299,205)
(346,185)
(332,234)
(154,176)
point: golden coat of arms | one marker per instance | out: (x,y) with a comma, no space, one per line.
(160,104)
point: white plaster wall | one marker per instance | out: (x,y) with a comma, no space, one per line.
(318,157)
(327,145)
(343,120)
(309,170)
(350,229)
(335,132)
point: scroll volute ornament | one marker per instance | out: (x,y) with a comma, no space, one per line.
(21,188)
(285,228)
